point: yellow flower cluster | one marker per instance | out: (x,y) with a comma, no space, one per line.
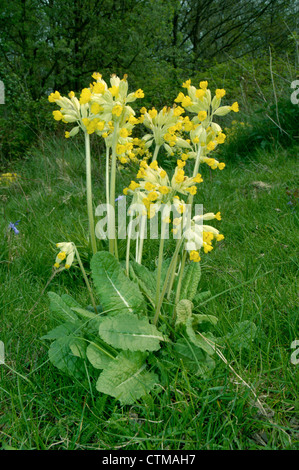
(165,126)
(155,189)
(8,178)
(67,254)
(199,236)
(203,132)
(99,109)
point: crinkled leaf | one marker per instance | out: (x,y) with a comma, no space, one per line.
(145,279)
(194,358)
(70,301)
(201,297)
(78,347)
(190,281)
(183,311)
(98,357)
(62,330)
(127,331)
(61,356)
(195,327)
(242,335)
(117,293)
(82,312)
(59,307)
(127,378)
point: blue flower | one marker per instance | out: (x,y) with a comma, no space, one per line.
(13,227)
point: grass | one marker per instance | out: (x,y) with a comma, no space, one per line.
(252,276)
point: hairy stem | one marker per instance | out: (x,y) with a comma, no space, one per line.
(89,194)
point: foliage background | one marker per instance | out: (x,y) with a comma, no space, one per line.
(248,47)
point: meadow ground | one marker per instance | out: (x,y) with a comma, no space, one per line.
(252,276)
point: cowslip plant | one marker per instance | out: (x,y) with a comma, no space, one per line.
(118,339)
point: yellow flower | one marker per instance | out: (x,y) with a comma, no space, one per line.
(154,165)
(54,97)
(200,93)
(98,88)
(133,185)
(194,256)
(153,113)
(164,189)
(124,132)
(180,97)
(57,115)
(114,90)
(211,145)
(186,101)
(221,165)
(71,94)
(149,186)
(187,84)
(180,176)
(96,76)
(180,163)
(192,190)
(143,110)
(85,96)
(235,107)
(120,149)
(117,110)
(100,125)
(139,93)
(219,237)
(177,111)
(198,178)
(220,138)
(95,108)
(220,92)
(202,115)
(203,85)
(218,216)
(67,135)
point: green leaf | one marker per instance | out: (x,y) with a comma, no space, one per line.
(127,331)
(59,307)
(127,378)
(78,347)
(183,310)
(145,279)
(84,313)
(70,301)
(61,356)
(193,357)
(242,335)
(116,291)
(201,296)
(62,330)
(204,340)
(98,357)
(190,281)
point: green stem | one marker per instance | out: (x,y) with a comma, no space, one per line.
(159,271)
(169,274)
(178,290)
(128,247)
(89,194)
(175,257)
(112,240)
(143,222)
(86,280)
(156,153)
